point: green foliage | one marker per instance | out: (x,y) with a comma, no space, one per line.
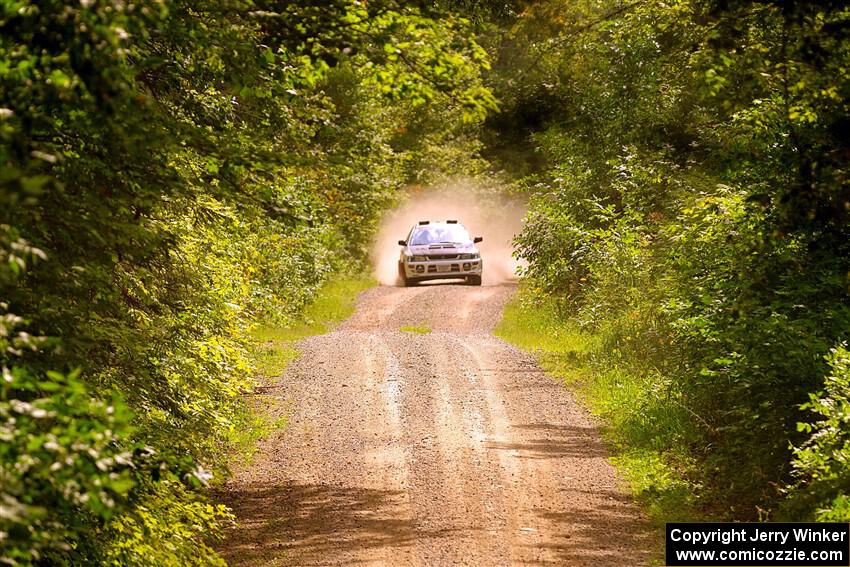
(62,463)
(424,58)
(171,526)
(822,463)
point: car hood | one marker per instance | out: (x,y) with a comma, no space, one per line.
(453,248)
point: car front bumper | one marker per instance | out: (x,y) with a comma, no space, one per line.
(437,269)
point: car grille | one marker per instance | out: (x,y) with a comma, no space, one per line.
(442,256)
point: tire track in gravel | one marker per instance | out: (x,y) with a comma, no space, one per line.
(447,448)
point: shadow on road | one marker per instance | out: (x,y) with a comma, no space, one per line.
(307,524)
(311,522)
(610,534)
(555,441)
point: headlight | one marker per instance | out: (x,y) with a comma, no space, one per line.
(468,256)
(418,258)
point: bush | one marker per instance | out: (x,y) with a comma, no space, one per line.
(822,464)
(65,465)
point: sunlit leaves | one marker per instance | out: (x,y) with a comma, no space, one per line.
(424,61)
(62,451)
(822,464)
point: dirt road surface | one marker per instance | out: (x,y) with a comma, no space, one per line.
(445,448)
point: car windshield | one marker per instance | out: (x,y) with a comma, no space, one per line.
(433,234)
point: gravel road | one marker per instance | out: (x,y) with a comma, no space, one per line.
(445,448)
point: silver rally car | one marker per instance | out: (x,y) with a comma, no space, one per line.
(436,250)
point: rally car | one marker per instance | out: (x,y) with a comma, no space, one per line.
(435,250)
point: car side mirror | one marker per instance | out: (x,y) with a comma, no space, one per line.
(477,239)
(402,242)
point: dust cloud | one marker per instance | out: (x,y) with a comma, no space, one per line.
(495,217)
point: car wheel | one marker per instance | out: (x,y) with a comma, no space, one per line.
(401,280)
(473,280)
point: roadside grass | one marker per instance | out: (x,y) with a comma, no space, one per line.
(273,346)
(334,303)
(643,427)
(421,329)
